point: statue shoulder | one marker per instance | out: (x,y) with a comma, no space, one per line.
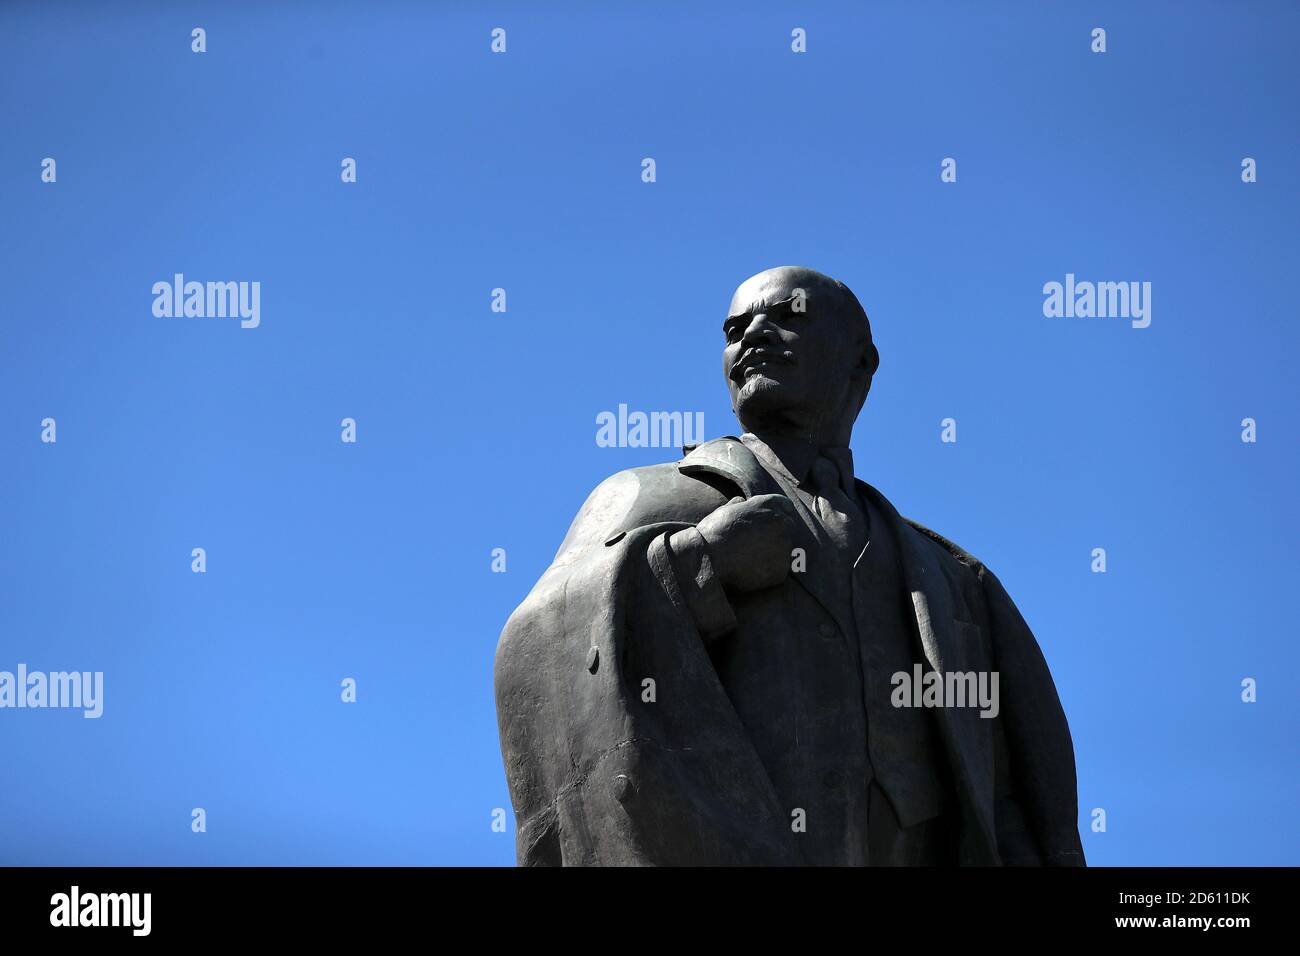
(947,547)
(629,499)
(950,555)
(962,564)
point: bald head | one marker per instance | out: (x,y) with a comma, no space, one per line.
(773,285)
(798,356)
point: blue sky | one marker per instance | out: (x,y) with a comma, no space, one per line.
(476,430)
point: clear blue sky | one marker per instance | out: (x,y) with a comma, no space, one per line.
(477,429)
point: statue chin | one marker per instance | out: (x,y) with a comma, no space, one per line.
(761,399)
(759,384)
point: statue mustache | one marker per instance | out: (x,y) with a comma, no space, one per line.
(746,357)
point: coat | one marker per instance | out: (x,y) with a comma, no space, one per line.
(622,746)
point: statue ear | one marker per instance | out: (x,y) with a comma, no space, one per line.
(870,360)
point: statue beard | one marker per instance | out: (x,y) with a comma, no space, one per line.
(764,404)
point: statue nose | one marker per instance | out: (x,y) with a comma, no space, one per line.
(759,331)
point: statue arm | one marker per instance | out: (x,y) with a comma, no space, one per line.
(690,567)
(1037,802)
(600,769)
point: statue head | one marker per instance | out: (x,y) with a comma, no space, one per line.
(798,356)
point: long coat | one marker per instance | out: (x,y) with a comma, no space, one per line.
(622,746)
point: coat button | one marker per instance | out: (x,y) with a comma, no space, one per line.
(826,629)
(593,659)
(623,788)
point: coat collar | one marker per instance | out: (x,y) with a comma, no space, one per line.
(793,459)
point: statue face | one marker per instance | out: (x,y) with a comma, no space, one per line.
(791,367)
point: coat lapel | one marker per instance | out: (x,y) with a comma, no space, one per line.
(812,538)
(730,458)
(925,585)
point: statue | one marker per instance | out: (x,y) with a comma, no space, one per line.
(747,657)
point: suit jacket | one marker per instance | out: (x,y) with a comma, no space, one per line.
(622,744)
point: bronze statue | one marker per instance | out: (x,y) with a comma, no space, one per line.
(724,663)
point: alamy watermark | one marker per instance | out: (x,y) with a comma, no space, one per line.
(1101,300)
(209,300)
(654,430)
(949,689)
(75,908)
(83,689)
